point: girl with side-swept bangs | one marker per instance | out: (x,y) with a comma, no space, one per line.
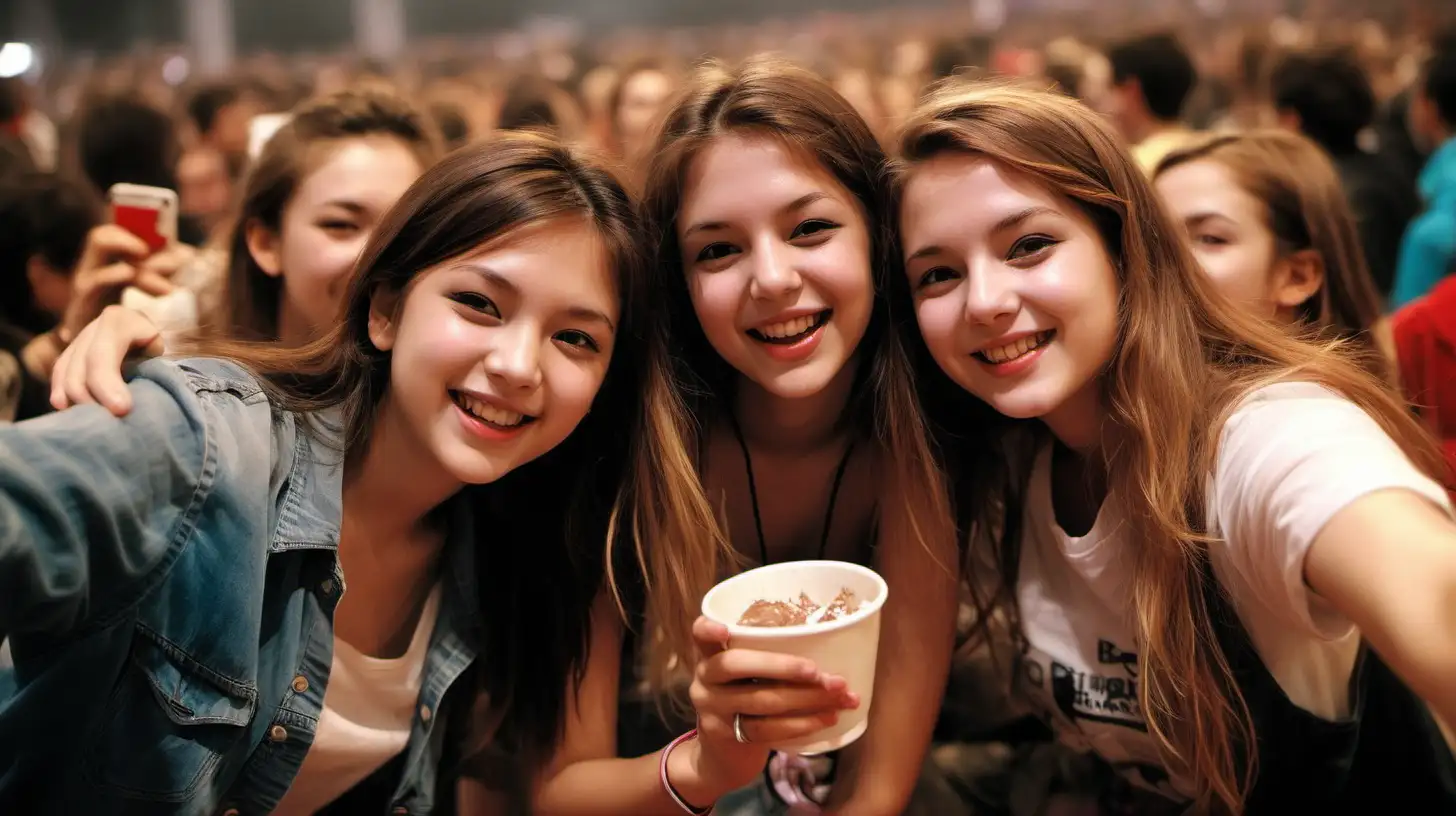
(291,579)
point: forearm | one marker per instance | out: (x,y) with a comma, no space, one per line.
(615,786)
(914,662)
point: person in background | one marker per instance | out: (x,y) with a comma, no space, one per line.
(122,138)
(533,102)
(641,93)
(1152,77)
(219,114)
(1428,250)
(205,187)
(1266,218)
(1425,346)
(23,121)
(1327,96)
(50,284)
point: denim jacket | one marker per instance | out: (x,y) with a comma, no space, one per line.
(168,582)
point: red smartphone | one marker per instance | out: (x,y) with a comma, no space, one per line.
(150,213)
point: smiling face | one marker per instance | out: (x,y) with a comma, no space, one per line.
(1015,294)
(1227,229)
(496,356)
(325,226)
(777,255)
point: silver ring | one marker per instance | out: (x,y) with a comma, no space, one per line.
(738,729)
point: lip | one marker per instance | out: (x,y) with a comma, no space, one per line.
(1021,364)
(1006,340)
(485,429)
(786,316)
(800,349)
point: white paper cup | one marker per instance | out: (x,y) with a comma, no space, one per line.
(846,647)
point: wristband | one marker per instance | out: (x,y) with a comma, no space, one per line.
(667,784)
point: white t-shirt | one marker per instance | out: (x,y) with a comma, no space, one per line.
(369,707)
(1290,457)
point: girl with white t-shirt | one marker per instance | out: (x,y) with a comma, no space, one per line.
(1191,518)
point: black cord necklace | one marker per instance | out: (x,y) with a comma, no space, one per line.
(753,493)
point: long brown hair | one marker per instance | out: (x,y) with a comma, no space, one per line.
(248,309)
(1184,359)
(1305,208)
(541,530)
(778,100)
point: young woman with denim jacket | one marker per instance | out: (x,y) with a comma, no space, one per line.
(178,581)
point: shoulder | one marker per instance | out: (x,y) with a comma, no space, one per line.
(1271,408)
(202,375)
(1435,226)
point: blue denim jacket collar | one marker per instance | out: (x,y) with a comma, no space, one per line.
(313,504)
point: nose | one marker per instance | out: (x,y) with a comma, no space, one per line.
(514,358)
(774,276)
(990,295)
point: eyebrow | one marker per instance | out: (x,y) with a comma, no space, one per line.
(1200,218)
(797,204)
(1016,218)
(1009,222)
(345,204)
(578,312)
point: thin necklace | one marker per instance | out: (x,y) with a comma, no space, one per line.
(753,493)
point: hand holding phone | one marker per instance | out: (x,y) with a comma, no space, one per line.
(149,213)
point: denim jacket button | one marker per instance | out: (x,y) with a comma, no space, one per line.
(278,733)
(300,684)
(425,714)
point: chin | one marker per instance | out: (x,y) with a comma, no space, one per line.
(1029,405)
(470,466)
(801,383)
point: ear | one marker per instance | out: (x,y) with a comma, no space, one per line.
(383,317)
(1296,278)
(263,245)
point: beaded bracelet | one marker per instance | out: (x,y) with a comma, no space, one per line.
(667,784)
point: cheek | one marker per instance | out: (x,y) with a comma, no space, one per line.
(939,321)
(715,301)
(1237,271)
(845,271)
(573,387)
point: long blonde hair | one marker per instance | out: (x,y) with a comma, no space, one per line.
(1184,358)
(779,100)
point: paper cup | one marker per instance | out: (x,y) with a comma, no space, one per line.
(846,647)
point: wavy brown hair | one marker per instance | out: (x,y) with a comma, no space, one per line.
(1305,208)
(775,99)
(1184,358)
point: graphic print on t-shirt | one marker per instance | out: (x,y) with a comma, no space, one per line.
(1108,694)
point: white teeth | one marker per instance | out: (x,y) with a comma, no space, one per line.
(490,413)
(1011,351)
(789,328)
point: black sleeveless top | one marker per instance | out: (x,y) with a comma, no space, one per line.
(1387,756)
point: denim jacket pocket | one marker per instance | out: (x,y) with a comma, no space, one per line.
(168,724)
